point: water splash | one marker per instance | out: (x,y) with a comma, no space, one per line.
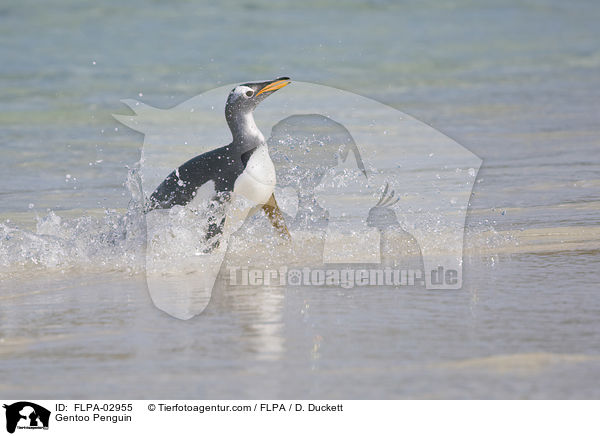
(112,242)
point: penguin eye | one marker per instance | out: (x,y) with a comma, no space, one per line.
(249,93)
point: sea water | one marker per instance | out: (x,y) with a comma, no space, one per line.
(514,82)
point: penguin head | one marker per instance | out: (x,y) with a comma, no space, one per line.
(244,98)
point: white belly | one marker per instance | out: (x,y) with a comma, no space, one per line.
(257,182)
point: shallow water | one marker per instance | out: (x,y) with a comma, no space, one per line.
(515,83)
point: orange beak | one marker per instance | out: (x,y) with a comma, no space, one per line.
(274,86)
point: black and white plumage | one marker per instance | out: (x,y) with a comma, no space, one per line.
(242,167)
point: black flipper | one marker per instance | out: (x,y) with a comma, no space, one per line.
(179,188)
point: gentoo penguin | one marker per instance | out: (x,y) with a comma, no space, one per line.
(242,168)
